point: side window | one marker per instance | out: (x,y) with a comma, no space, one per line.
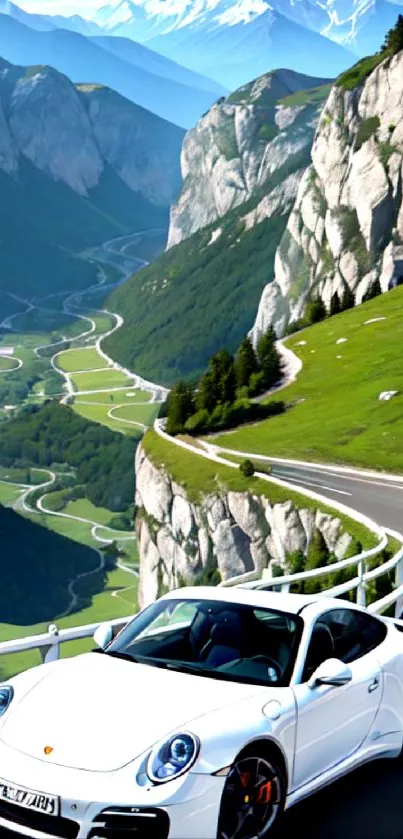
(354,634)
(321,647)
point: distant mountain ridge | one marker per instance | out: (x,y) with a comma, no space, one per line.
(149,80)
(264,41)
(78,165)
(355,24)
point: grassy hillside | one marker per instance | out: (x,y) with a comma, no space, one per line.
(44,224)
(196,298)
(333,410)
(54,434)
(36,566)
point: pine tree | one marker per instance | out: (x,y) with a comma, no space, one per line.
(394,38)
(318,552)
(218,384)
(207,396)
(269,358)
(221,368)
(335,305)
(374,290)
(180,406)
(245,363)
(315,310)
(348,299)
(317,557)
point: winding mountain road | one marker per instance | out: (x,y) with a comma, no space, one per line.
(18,365)
(113,253)
(376,495)
(22,504)
(71,307)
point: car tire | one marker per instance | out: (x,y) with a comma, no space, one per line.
(253,798)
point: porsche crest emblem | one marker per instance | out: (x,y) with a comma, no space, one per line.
(48,750)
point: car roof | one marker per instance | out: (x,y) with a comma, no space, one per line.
(282,602)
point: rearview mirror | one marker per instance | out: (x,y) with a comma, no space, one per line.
(103,635)
(331,672)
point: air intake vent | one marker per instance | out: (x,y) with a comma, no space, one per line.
(20,817)
(130,823)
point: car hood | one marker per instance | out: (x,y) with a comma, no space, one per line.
(98,713)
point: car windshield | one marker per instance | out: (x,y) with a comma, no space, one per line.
(231,641)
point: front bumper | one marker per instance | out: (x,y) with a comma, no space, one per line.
(108,805)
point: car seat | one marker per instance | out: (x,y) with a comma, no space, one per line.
(226,642)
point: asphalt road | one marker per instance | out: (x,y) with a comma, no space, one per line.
(379,498)
(368,804)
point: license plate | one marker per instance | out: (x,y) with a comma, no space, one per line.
(32,800)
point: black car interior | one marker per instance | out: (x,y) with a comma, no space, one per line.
(249,642)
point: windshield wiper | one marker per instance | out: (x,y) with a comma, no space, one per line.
(153,662)
(116,654)
(185,667)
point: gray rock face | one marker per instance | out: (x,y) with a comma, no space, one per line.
(138,149)
(8,152)
(74,133)
(231,533)
(346,227)
(236,148)
(158,502)
(51,127)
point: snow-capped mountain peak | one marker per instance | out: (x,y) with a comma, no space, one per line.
(113,15)
(340,20)
(243,11)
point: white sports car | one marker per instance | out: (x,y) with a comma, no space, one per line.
(209,714)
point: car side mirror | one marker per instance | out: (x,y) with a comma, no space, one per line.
(103,635)
(331,672)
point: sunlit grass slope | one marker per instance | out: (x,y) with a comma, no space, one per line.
(333,409)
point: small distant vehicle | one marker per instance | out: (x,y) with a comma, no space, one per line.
(206,717)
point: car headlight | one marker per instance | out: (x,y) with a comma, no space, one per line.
(6,696)
(173,757)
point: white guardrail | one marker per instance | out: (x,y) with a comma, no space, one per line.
(50,642)
(395,597)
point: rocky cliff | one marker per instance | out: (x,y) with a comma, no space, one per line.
(74,133)
(225,534)
(237,147)
(346,227)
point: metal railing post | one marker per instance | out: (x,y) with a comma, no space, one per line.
(398,583)
(361,594)
(51,652)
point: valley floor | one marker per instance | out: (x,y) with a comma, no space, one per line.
(61,336)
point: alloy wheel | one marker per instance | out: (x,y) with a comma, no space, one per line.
(252,799)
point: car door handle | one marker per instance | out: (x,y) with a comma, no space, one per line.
(374,685)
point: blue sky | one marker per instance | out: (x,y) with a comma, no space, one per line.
(61,7)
